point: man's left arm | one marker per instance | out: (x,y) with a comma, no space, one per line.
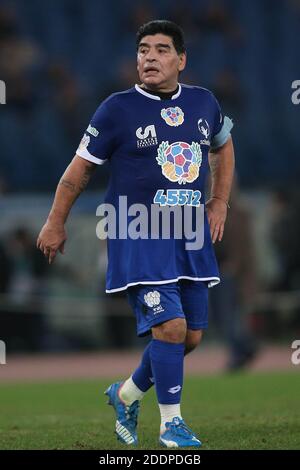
(221,162)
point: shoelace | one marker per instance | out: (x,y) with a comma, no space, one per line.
(181,429)
(132,413)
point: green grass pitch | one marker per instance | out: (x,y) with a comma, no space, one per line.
(243,411)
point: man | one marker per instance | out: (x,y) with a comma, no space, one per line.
(156,136)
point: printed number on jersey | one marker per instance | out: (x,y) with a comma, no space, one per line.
(180,197)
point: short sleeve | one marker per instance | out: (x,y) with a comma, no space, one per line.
(222,126)
(98,142)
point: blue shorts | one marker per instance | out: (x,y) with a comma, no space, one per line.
(155,304)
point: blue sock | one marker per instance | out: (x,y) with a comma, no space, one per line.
(167,367)
(143,374)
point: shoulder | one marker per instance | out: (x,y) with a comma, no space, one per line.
(109,108)
(119,97)
(198,91)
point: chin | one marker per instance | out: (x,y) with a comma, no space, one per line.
(151,82)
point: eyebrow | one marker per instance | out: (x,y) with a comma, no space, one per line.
(145,44)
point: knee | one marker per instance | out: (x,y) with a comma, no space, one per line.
(192,340)
(172,331)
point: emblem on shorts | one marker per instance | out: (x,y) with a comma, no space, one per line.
(152,299)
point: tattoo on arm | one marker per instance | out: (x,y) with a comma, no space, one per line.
(80,186)
(85,178)
(68,184)
(213,164)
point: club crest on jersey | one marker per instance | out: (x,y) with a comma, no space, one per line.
(173,116)
(180,161)
(146,138)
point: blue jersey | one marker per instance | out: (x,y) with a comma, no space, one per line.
(158,154)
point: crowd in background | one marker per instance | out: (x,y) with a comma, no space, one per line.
(60,59)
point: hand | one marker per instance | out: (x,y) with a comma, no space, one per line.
(216,213)
(52,238)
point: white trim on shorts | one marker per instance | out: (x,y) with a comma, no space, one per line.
(213,282)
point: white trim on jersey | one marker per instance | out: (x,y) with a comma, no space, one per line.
(213,282)
(154,97)
(84,153)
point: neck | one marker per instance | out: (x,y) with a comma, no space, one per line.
(158,89)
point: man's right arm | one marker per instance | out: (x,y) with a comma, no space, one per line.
(74,180)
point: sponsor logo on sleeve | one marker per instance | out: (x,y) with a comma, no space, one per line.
(93,131)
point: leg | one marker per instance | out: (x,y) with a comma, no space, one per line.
(167,356)
(134,388)
(192,340)
(194,297)
(162,361)
(142,379)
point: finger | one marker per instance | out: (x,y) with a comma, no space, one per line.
(51,256)
(46,251)
(221,232)
(212,227)
(215,233)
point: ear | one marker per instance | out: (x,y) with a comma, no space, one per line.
(182,61)
(138,69)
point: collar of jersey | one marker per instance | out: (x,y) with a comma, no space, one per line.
(155,97)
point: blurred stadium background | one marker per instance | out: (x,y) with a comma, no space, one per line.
(59,59)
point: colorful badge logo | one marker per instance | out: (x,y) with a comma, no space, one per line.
(180,161)
(172,116)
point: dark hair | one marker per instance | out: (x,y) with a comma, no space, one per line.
(162,27)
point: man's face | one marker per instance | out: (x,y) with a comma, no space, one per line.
(158,63)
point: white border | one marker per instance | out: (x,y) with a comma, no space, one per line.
(88,156)
(214,282)
(154,97)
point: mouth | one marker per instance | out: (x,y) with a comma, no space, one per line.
(150,69)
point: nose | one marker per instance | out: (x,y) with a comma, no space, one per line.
(150,57)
